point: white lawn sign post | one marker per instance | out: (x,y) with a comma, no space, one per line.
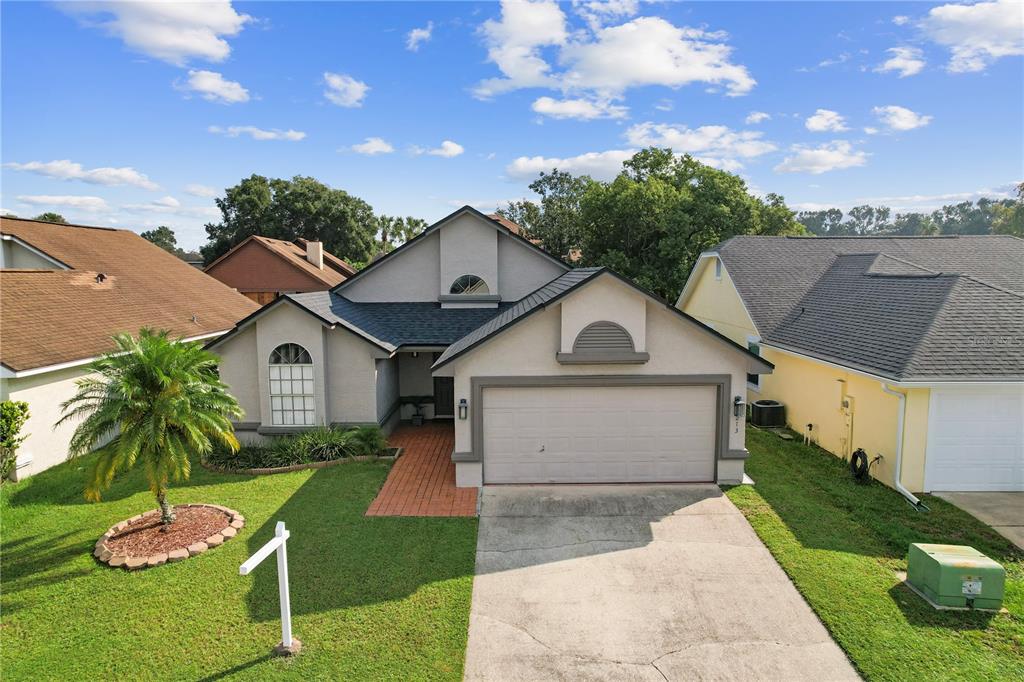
(289,645)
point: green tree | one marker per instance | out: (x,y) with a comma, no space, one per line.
(556,221)
(13,415)
(152,399)
(864,220)
(1009,216)
(51,217)
(395,231)
(289,209)
(821,223)
(163,237)
(653,220)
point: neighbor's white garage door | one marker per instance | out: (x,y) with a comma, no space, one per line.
(975,439)
(599,434)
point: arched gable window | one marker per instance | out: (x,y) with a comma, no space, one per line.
(469,284)
(603,336)
(291,386)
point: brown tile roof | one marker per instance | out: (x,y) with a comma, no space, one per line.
(515,228)
(335,270)
(49,317)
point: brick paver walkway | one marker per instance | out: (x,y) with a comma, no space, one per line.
(422,482)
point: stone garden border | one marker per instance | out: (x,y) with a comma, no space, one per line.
(134,563)
(259,471)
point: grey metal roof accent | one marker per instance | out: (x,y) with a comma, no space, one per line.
(532,302)
(906,327)
(391,325)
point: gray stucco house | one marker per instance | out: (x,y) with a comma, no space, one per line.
(549,374)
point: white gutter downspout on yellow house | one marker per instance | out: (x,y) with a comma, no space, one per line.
(900,417)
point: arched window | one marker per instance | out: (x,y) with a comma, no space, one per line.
(291,386)
(469,284)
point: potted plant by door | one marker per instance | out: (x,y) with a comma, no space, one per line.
(418,402)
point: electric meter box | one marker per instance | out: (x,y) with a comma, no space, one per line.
(955,575)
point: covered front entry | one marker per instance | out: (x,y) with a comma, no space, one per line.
(599,434)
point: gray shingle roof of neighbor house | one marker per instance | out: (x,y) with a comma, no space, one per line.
(903,308)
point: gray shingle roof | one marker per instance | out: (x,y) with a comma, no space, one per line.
(390,325)
(532,302)
(902,308)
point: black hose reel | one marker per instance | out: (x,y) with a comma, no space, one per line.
(859,465)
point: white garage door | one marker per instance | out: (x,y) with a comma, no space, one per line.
(976,439)
(599,434)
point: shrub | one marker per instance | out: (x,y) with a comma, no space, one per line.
(317,445)
(13,415)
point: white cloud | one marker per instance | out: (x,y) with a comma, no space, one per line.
(597,13)
(198,190)
(651,51)
(908,61)
(914,202)
(900,20)
(174,32)
(900,118)
(482,205)
(755,117)
(170,206)
(580,109)
(598,165)
(82,203)
(258,133)
(514,45)
(214,87)
(373,146)
(977,34)
(607,60)
(418,36)
(822,159)
(69,170)
(448,150)
(664,105)
(344,90)
(825,120)
(717,146)
(871,130)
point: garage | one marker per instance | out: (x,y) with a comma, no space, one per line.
(976,439)
(599,434)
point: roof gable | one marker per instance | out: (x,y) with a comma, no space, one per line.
(421,238)
(333,273)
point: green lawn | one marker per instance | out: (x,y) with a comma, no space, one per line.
(842,544)
(372,598)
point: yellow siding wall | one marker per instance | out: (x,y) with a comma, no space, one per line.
(716,303)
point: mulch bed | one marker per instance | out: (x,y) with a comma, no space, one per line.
(139,543)
(145,536)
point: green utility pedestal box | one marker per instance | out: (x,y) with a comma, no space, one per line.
(954,575)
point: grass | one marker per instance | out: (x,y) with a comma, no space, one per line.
(372,598)
(842,543)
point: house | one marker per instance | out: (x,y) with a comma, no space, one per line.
(911,348)
(66,289)
(549,374)
(263,268)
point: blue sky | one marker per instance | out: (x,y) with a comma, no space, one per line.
(135,115)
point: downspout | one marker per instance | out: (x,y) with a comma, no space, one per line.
(911,498)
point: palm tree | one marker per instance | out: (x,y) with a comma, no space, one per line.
(153,399)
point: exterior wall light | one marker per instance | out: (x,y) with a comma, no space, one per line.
(737,406)
(463,408)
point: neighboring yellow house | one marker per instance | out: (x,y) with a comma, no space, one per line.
(911,348)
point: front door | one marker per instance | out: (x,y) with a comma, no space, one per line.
(444,397)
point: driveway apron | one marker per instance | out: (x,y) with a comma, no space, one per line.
(635,583)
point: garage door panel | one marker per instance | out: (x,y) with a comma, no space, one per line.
(599,434)
(976,440)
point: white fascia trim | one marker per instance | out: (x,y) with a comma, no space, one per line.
(41,254)
(692,279)
(7,373)
(917,383)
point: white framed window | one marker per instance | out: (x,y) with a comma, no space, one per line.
(718,268)
(292,401)
(754,346)
(469,284)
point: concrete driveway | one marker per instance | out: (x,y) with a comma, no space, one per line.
(635,583)
(1003,511)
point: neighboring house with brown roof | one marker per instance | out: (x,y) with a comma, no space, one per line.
(64,291)
(263,268)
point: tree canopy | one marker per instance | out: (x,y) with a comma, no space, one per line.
(652,221)
(163,237)
(289,209)
(51,217)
